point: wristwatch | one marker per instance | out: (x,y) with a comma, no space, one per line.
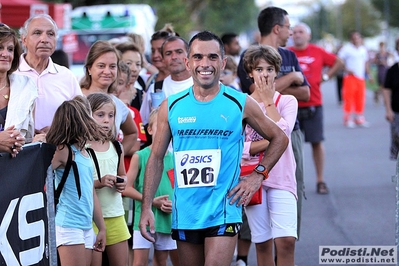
(260,169)
(325,77)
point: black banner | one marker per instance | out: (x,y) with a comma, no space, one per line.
(24,233)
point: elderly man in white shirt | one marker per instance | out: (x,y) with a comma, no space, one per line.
(55,83)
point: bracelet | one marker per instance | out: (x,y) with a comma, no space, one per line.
(270,104)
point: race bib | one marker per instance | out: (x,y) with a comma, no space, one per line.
(197,168)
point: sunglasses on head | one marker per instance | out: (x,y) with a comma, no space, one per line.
(5,29)
(4,25)
(161,34)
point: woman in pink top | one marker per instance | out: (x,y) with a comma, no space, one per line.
(275,219)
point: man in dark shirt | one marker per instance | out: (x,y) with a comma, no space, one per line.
(275,29)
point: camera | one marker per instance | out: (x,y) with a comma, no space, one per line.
(119,179)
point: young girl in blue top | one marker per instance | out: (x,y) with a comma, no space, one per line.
(113,182)
(73,125)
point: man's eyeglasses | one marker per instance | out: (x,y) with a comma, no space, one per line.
(287,26)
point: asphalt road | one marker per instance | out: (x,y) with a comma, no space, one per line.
(360,208)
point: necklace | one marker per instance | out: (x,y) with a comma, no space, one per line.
(6,96)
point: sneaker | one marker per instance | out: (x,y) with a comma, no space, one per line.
(240,263)
(361,122)
(349,124)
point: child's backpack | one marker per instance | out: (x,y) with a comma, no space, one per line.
(71,163)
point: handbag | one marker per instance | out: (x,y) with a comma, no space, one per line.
(247,170)
(256,198)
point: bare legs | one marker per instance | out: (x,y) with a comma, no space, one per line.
(216,251)
(285,250)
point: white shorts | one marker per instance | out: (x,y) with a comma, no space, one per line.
(73,236)
(162,241)
(275,217)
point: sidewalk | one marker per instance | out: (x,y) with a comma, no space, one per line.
(360,209)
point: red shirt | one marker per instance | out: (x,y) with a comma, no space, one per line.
(142,137)
(139,123)
(312,60)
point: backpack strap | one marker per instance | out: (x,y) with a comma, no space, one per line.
(158,85)
(150,80)
(118,149)
(276,103)
(141,81)
(92,154)
(70,163)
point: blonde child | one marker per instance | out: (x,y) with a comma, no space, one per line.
(229,75)
(127,92)
(113,182)
(162,205)
(78,203)
(131,55)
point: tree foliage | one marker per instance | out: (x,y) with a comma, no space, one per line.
(388,11)
(340,20)
(228,16)
(219,16)
(368,16)
(187,16)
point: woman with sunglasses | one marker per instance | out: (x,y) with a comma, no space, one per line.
(17,96)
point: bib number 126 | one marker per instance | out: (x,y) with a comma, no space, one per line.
(197,177)
(197,168)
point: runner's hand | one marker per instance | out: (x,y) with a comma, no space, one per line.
(245,189)
(147,220)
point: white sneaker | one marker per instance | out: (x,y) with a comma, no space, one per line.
(365,124)
(350,124)
(240,263)
(361,122)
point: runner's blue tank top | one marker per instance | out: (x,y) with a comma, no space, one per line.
(211,126)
